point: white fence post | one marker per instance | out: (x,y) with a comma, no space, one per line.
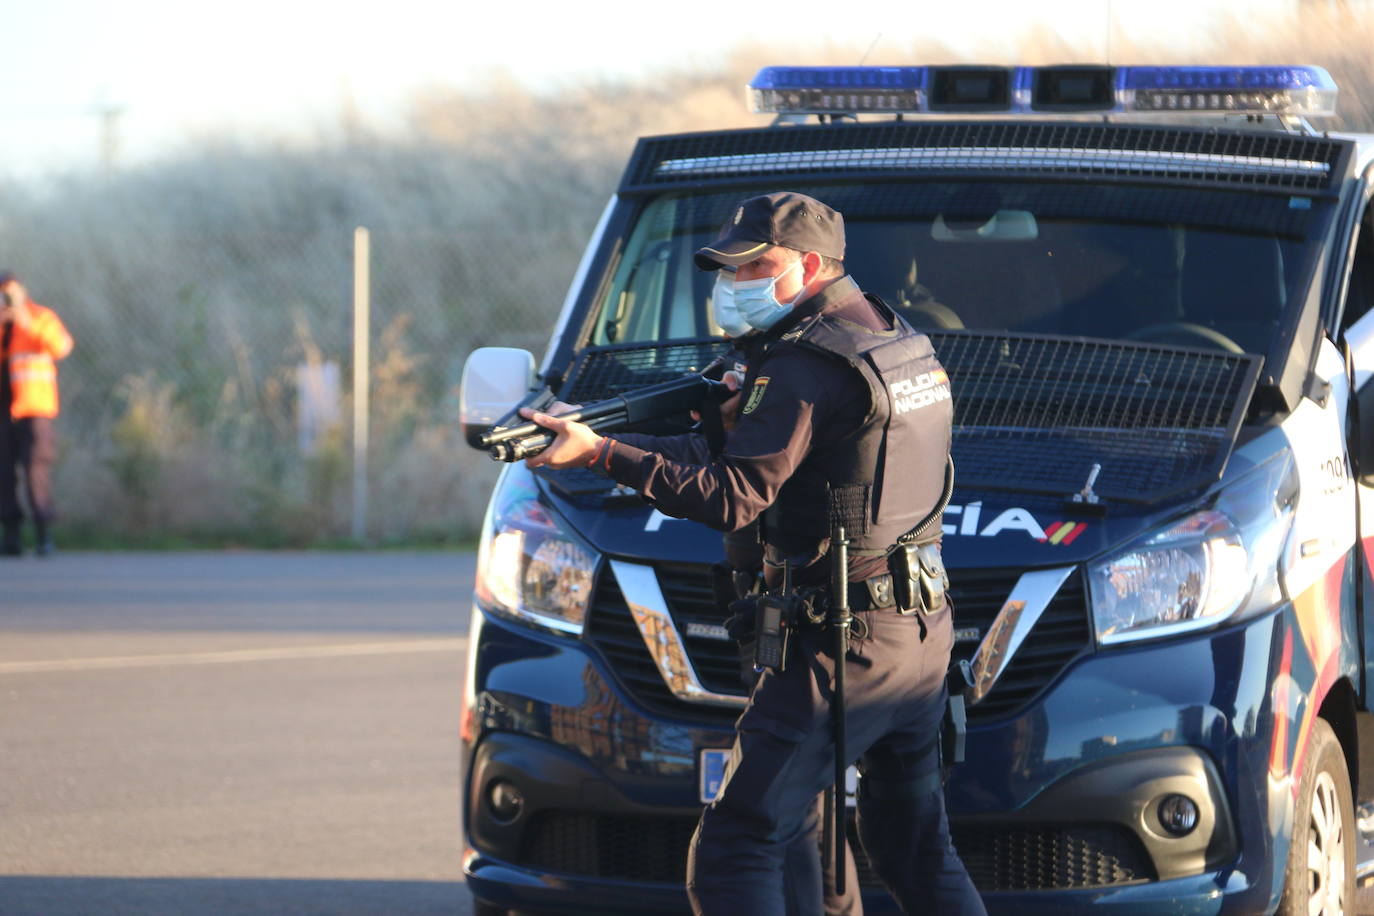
(361,371)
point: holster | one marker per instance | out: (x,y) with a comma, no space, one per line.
(723,586)
(954,726)
(919,580)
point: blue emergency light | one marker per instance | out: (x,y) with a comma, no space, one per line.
(831,89)
(1297,91)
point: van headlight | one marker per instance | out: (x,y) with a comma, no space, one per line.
(529,568)
(1217,564)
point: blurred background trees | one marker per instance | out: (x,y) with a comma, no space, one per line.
(197,285)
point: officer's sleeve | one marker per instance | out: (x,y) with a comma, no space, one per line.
(772,436)
(689,447)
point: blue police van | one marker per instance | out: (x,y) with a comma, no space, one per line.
(1151,289)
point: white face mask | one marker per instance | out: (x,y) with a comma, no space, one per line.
(758,303)
(723,308)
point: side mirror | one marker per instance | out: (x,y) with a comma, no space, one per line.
(495,379)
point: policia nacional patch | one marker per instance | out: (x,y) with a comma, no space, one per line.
(756,393)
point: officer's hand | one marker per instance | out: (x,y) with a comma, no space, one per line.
(729,408)
(574,446)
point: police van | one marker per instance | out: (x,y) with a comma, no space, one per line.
(1151,288)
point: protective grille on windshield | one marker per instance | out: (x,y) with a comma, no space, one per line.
(603,372)
(1252,158)
(1034,413)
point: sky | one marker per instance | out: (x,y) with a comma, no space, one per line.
(177,70)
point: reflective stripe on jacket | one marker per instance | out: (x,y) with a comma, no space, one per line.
(32,355)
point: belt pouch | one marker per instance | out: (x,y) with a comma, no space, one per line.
(905,567)
(933,579)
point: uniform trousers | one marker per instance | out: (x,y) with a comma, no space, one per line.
(783,757)
(29,446)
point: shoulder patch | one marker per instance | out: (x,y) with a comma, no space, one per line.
(756,393)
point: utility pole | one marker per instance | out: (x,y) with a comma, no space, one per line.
(109,114)
(362,306)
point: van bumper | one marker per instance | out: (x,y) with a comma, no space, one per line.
(608,790)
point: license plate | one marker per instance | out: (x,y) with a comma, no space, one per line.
(711,772)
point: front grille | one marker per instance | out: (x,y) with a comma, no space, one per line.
(1060,636)
(1015,858)
(629,848)
(612,630)
(609,846)
(1035,858)
(687,589)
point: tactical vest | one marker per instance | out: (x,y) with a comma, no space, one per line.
(892,466)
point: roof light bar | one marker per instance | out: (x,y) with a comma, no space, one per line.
(824,90)
(1299,91)
(1280,90)
(1073,88)
(970,88)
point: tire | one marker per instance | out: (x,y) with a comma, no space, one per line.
(481,908)
(1319,879)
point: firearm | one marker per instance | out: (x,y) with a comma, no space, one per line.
(505,442)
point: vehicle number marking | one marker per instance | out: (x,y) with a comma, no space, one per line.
(1334,473)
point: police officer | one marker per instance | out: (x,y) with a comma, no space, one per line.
(841,397)
(738,578)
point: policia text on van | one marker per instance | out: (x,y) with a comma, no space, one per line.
(1150,290)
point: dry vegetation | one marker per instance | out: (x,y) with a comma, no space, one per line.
(195,285)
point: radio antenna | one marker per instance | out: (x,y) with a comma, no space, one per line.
(871,46)
(1109,31)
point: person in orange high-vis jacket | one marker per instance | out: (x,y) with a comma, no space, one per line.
(32,340)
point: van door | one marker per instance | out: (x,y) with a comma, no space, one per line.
(1357,337)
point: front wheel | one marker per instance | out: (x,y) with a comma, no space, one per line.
(1319,879)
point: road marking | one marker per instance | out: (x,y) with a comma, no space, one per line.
(234,655)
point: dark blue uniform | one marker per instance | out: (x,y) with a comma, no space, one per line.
(842,394)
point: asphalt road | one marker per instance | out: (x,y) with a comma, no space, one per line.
(234,733)
(231,733)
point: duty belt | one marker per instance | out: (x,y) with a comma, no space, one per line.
(872,594)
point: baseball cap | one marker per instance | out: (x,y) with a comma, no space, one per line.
(6,276)
(783,218)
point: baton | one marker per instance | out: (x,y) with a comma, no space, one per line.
(839,623)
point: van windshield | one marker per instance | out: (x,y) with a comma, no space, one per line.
(1186,266)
